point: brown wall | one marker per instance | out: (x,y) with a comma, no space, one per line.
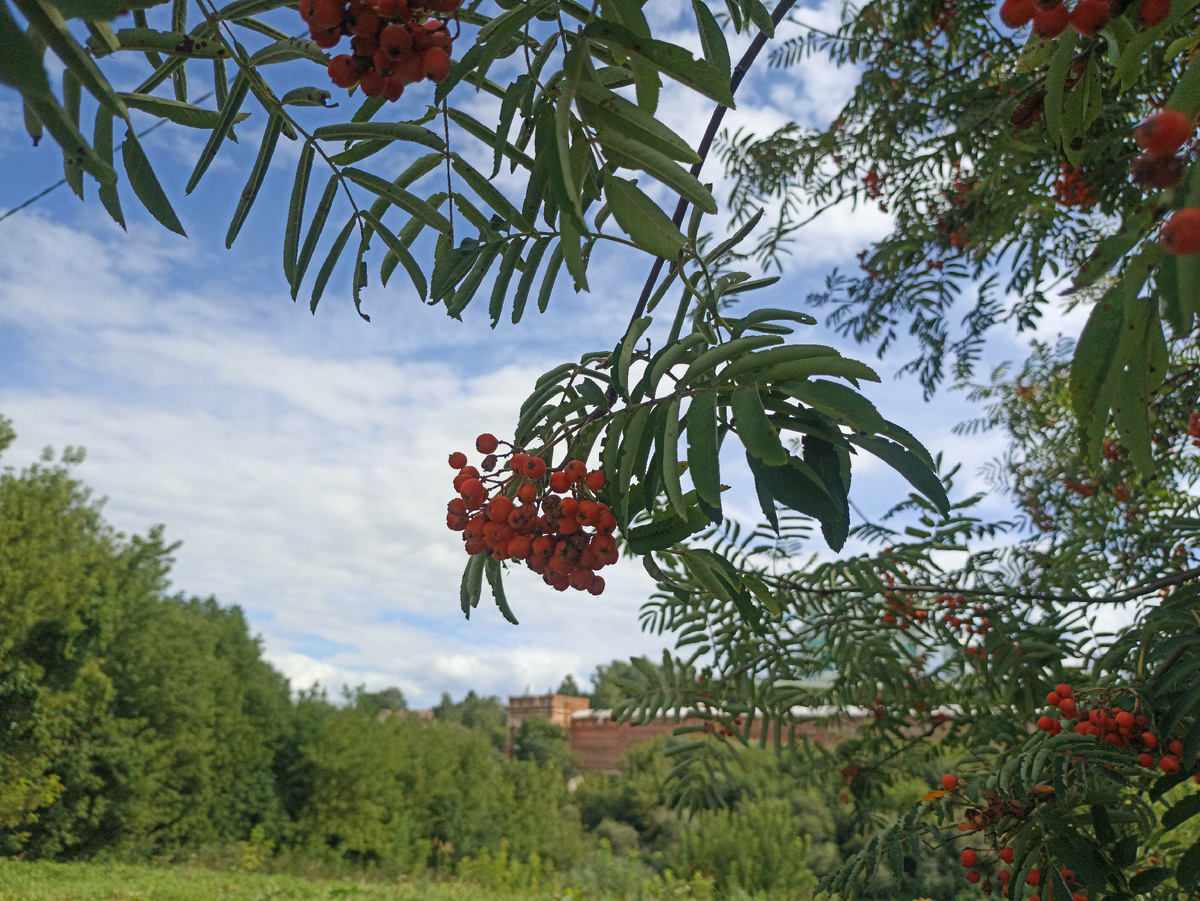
(601,743)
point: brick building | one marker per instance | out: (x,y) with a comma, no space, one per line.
(601,743)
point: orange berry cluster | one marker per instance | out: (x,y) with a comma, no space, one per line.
(521,513)
(1051,18)
(392,42)
(1121,728)
(1072,189)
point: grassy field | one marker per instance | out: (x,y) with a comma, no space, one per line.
(119,882)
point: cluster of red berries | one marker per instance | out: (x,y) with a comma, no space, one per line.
(1194,427)
(1051,18)
(1072,189)
(1117,726)
(392,42)
(520,513)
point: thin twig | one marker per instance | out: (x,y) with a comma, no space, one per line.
(710,133)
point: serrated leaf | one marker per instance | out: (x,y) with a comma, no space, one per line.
(258,172)
(492,569)
(670,59)
(396,247)
(145,184)
(630,154)
(180,113)
(914,470)
(397,196)
(490,195)
(602,108)
(229,115)
(536,252)
(712,38)
(320,216)
(331,260)
(472,584)
(642,219)
(103,143)
(291,232)
(409,132)
(703,452)
(754,428)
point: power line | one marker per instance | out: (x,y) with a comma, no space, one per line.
(62,181)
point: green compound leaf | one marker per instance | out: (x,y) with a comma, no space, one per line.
(703,452)
(145,184)
(670,59)
(642,219)
(495,577)
(760,438)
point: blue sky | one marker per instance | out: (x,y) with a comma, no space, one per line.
(301,459)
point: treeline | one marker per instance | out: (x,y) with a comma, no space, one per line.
(137,725)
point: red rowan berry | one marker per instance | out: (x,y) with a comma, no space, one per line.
(1006,855)
(410,68)
(581,579)
(435,63)
(456,521)
(1145,759)
(969,857)
(1076,896)
(535,468)
(597,586)
(1150,740)
(326,14)
(519,547)
(1016,13)
(1064,690)
(373,84)
(1089,16)
(560,482)
(1169,765)
(393,9)
(1053,699)
(1067,706)
(605,547)
(1124,719)
(1164,132)
(608,522)
(1175,747)
(457,459)
(594,480)
(1151,12)
(973,876)
(588,513)
(568,526)
(949,782)
(486,443)
(474,546)
(1068,876)
(517,461)
(1003,875)
(326,40)
(1034,877)
(456,506)
(1181,233)
(396,41)
(342,74)
(1050,23)
(527,492)
(499,508)
(576,470)
(1045,723)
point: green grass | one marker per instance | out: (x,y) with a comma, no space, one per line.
(122,882)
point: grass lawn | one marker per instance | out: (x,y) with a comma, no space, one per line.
(120,882)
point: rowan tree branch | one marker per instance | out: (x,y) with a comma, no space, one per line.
(710,133)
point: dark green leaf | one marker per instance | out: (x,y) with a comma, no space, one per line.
(145,184)
(703,452)
(258,173)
